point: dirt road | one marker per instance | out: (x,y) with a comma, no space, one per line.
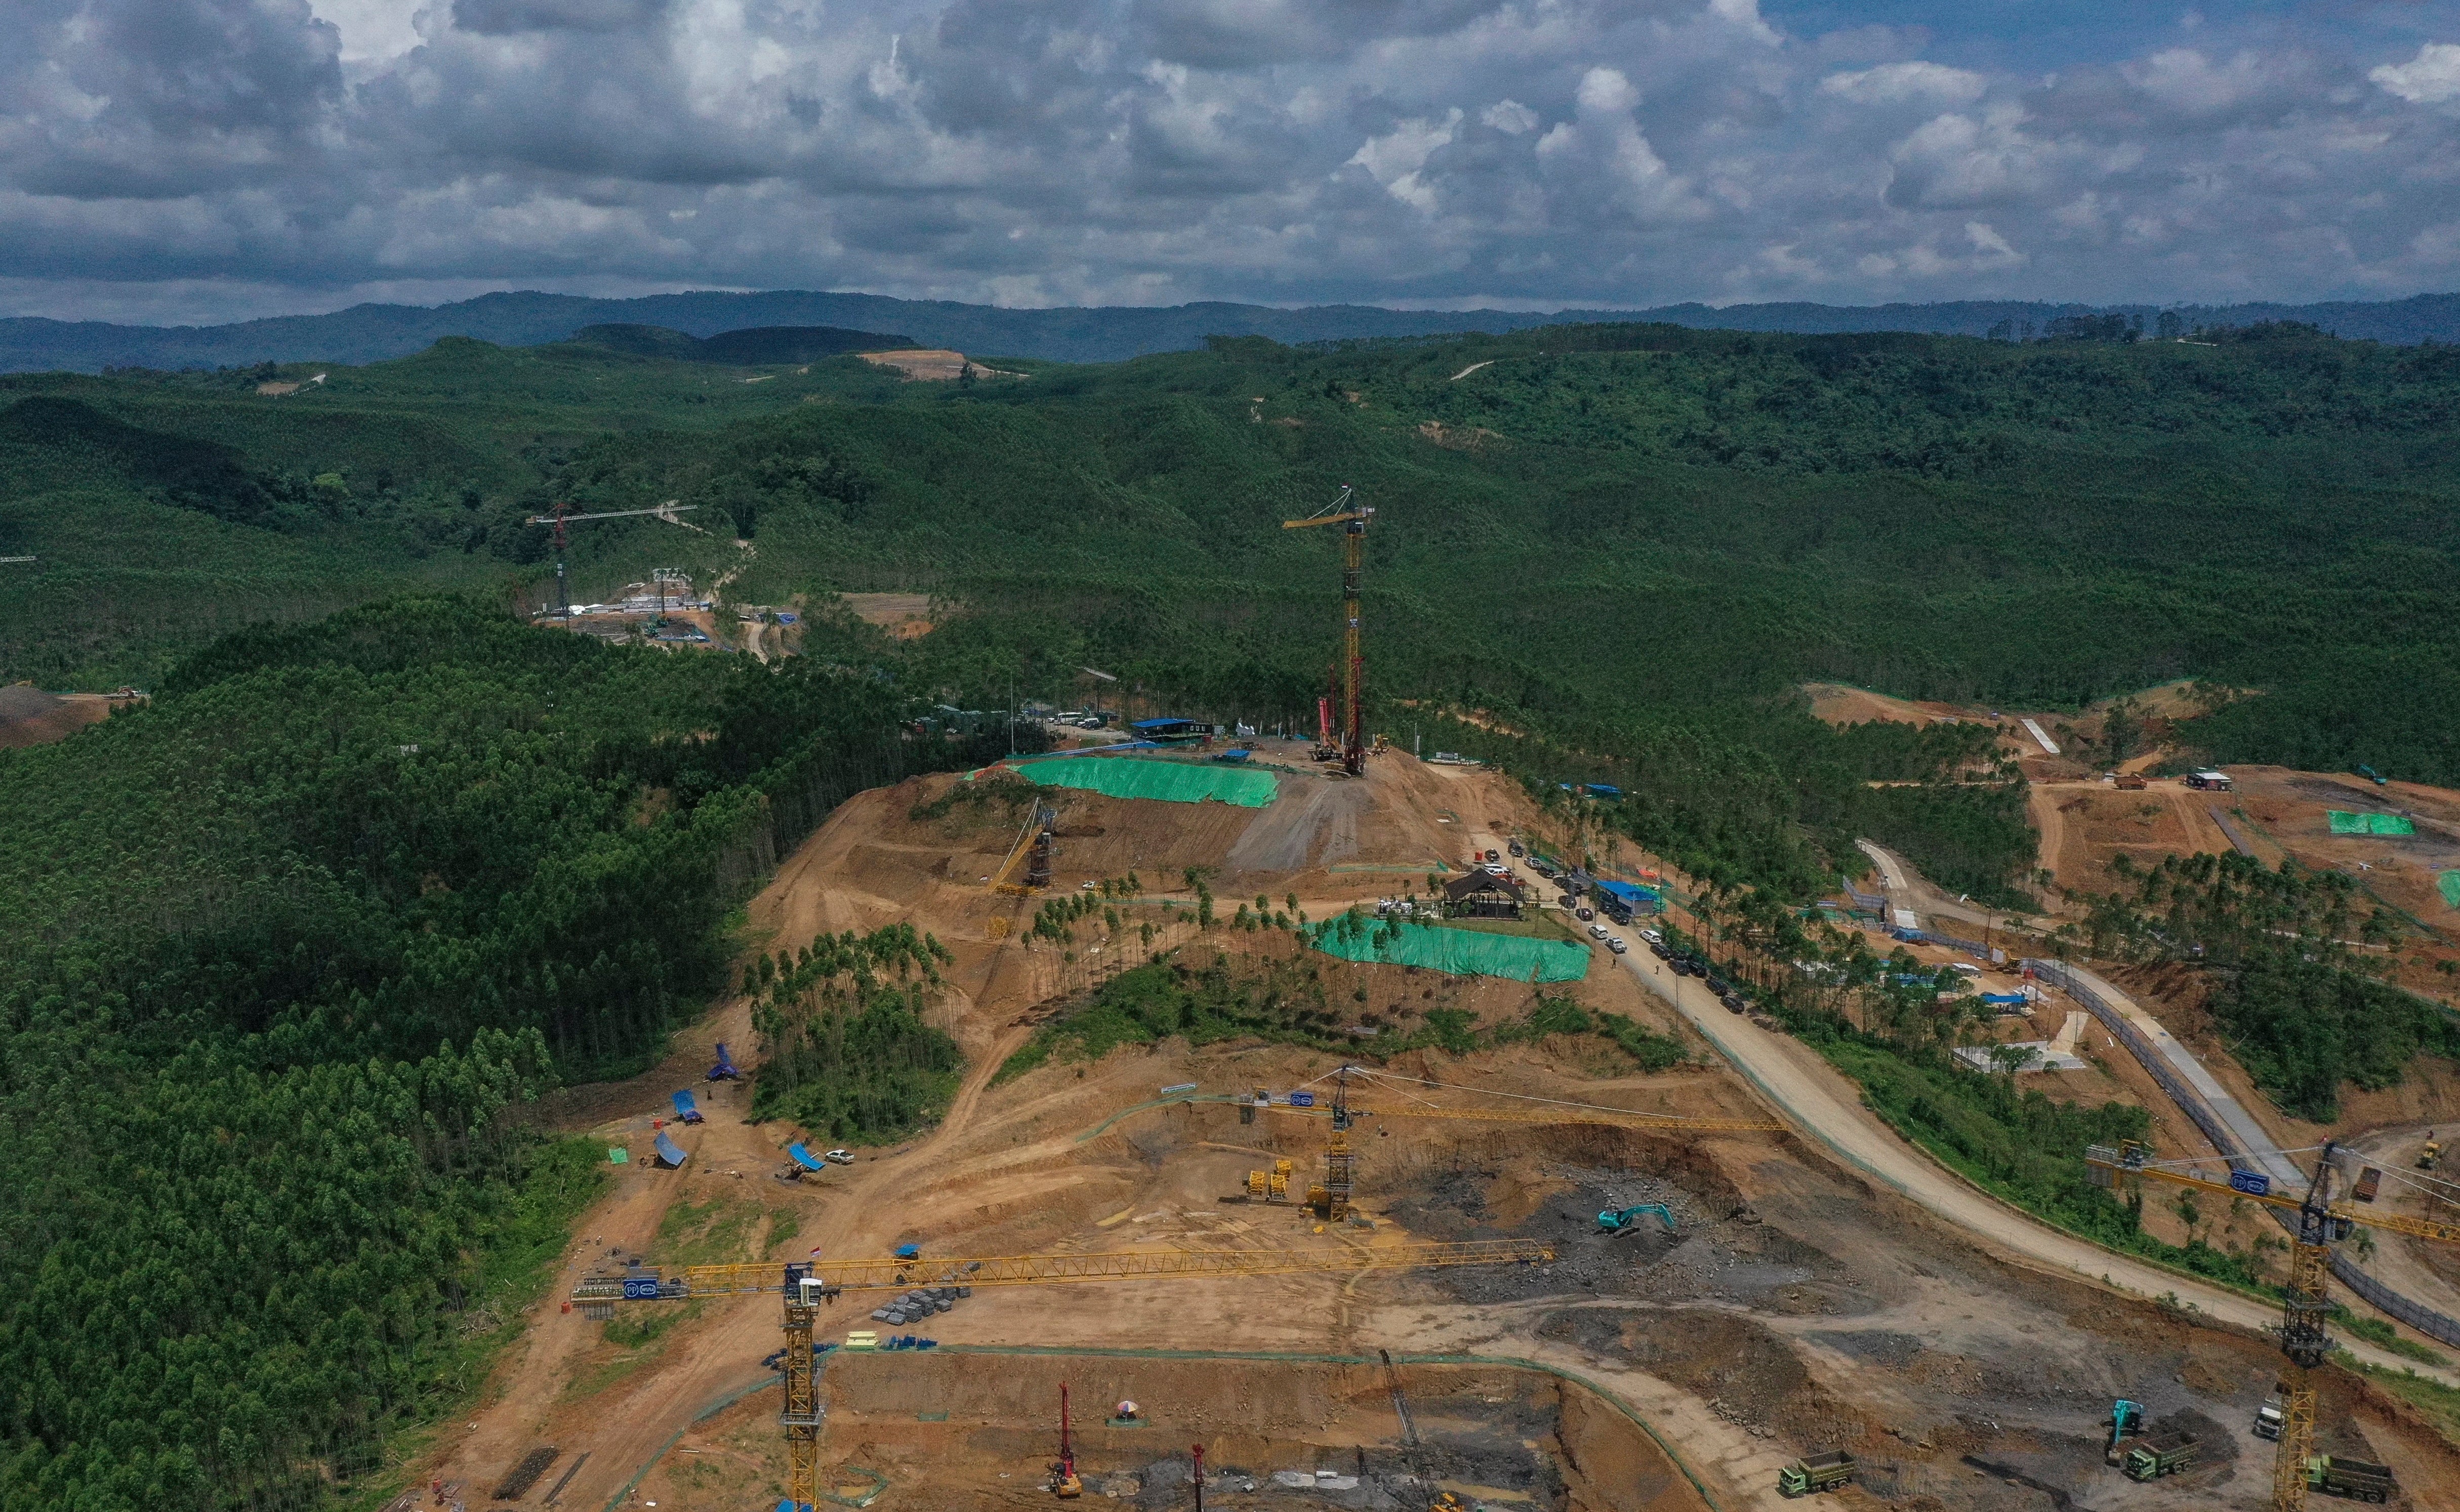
(1816,1097)
(1909,888)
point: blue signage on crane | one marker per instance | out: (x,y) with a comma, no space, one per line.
(2255,1183)
(643,1289)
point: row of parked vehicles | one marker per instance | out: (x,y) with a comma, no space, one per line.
(1691,963)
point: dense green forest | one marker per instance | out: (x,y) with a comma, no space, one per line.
(2284,950)
(289,949)
(1624,544)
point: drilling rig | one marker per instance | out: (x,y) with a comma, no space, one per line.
(1352,518)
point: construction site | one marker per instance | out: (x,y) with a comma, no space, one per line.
(1406,1247)
(1786,1297)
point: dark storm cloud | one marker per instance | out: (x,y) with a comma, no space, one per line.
(504,17)
(1043,151)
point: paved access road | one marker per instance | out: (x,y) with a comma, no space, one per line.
(2252,1137)
(1821,1101)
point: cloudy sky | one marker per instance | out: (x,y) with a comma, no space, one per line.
(198,160)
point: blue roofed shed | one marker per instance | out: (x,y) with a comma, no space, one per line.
(1621,900)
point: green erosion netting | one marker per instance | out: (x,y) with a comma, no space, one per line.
(2450,883)
(2382,823)
(1462,952)
(1172,782)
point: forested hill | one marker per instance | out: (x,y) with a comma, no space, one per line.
(375,332)
(287,951)
(1629,543)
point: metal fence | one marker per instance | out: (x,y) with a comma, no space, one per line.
(2425,1319)
(1935,937)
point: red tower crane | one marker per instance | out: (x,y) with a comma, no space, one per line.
(1354,518)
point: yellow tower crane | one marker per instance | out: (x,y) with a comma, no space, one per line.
(2307,1306)
(805,1290)
(1352,518)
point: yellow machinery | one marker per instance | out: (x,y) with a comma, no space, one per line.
(1032,847)
(805,1291)
(2307,1306)
(1272,1185)
(1352,518)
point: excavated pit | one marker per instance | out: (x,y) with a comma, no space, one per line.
(950,1430)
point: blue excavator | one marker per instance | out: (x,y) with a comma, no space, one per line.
(1621,1220)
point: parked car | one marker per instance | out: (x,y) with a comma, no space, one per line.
(1717,985)
(840,1157)
(1491,856)
(1597,932)
(1656,948)
(1652,936)
(1515,849)
(1588,913)
(1616,945)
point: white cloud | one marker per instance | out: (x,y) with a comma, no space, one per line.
(1508,117)
(373,30)
(1393,160)
(1907,83)
(1573,152)
(2433,77)
(1989,243)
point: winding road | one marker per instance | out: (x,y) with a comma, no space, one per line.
(1819,1100)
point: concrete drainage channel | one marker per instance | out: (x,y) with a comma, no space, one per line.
(849,1475)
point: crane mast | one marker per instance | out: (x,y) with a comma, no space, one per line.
(1352,518)
(2306,1304)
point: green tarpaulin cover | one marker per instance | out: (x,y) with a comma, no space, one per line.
(1172,782)
(2449,882)
(1460,951)
(2382,823)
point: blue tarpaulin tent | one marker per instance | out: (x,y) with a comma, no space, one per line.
(724,1070)
(686,1108)
(668,1151)
(805,1158)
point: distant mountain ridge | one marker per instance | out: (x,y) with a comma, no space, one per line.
(375,332)
(754,347)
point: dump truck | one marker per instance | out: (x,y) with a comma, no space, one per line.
(2155,1457)
(1824,1471)
(2268,1419)
(2357,1480)
(2369,1183)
